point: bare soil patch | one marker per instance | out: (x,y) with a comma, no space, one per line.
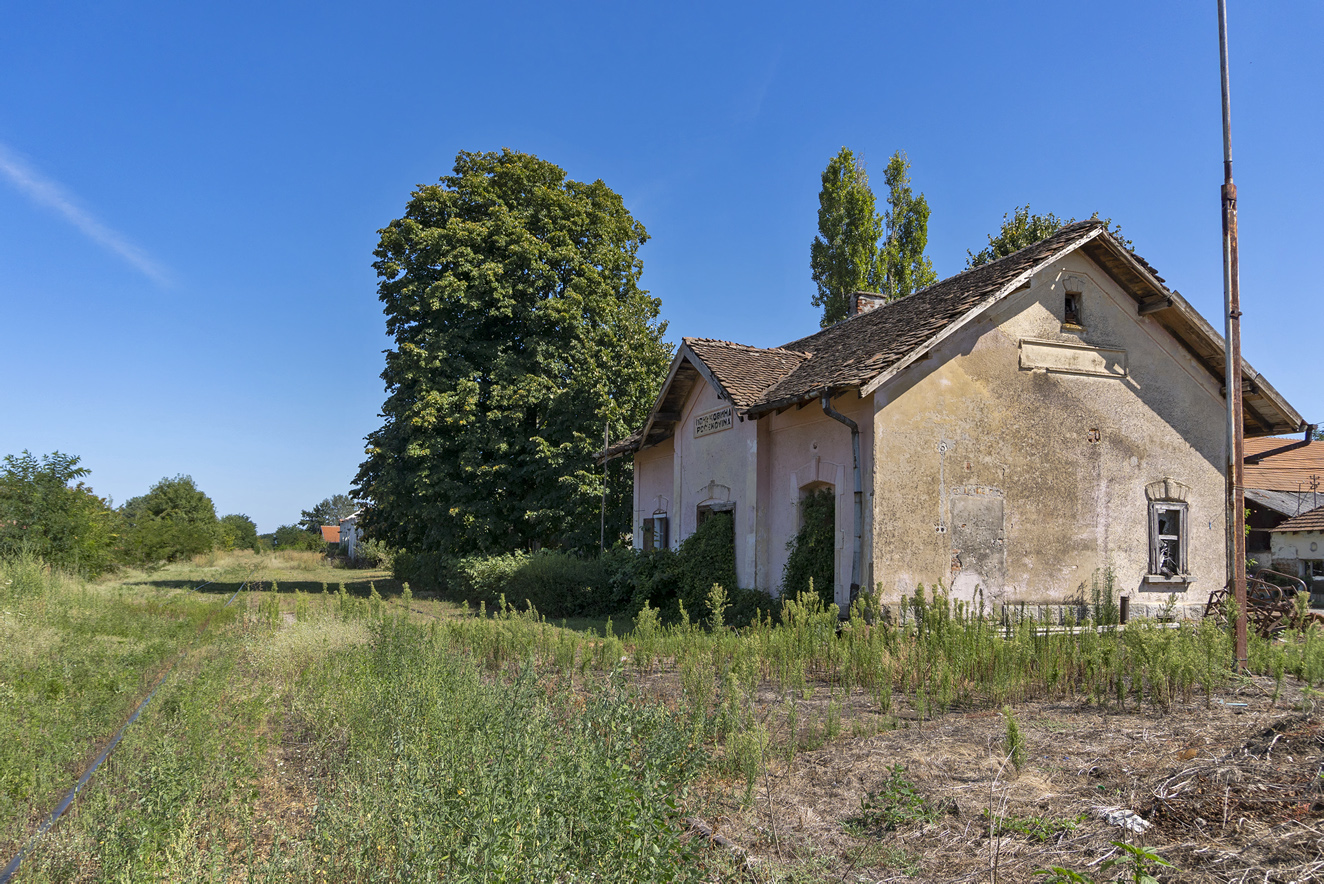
(1231,792)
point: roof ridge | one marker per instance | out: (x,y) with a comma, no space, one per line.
(1074,227)
(745,346)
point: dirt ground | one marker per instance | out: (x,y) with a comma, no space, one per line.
(1231,791)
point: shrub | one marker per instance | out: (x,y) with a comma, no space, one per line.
(563,584)
(813,548)
(706,557)
(376,554)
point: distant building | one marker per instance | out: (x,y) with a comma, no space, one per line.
(349,534)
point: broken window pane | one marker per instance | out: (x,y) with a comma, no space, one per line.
(1167,539)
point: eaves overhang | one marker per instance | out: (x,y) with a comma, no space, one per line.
(1265,412)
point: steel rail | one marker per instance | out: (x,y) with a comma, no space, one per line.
(8,871)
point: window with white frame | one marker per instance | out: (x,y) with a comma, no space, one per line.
(1168,539)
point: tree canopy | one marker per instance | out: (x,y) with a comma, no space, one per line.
(844,257)
(329,512)
(906,269)
(238,531)
(520,332)
(1023,228)
(47,511)
(847,257)
(173,520)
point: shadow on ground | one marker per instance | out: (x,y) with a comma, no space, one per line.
(356,584)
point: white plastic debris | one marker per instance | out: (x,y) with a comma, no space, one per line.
(1119,816)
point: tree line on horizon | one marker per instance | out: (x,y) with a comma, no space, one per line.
(49,512)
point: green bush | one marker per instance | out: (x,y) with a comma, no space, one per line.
(431,572)
(46,511)
(813,548)
(562,584)
(706,557)
(173,520)
(376,554)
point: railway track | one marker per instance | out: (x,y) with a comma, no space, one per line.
(67,801)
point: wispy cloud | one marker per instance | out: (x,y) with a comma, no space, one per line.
(50,195)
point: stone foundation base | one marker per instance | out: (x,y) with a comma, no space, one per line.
(1056,614)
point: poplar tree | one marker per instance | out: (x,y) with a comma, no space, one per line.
(847,257)
(520,331)
(905,267)
(844,257)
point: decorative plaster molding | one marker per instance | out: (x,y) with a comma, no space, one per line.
(1073,283)
(1167,489)
(713,491)
(818,470)
(1072,358)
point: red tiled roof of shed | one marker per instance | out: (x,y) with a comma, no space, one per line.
(1311,521)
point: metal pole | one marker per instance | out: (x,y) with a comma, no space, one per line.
(1236,494)
(602,529)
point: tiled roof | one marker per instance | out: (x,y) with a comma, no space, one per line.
(1311,521)
(855,351)
(745,372)
(331,533)
(1290,470)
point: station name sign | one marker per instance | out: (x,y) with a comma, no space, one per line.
(713,421)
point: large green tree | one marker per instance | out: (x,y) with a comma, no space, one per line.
(520,332)
(329,512)
(47,511)
(905,267)
(171,521)
(844,257)
(238,531)
(1024,228)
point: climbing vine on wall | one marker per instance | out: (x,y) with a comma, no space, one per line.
(813,547)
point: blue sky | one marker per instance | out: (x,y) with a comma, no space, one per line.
(190,193)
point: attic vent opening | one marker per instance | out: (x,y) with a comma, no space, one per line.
(1071,309)
(1071,302)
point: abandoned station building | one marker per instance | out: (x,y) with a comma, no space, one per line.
(1017,428)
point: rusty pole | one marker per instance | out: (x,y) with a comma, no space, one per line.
(1236,492)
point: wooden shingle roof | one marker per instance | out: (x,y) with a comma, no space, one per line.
(855,351)
(745,373)
(866,350)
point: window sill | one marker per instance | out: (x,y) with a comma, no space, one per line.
(1163,578)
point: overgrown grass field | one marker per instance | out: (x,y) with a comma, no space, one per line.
(329,726)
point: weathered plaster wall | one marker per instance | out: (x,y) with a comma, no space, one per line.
(653,480)
(716,469)
(1290,548)
(762,467)
(1025,480)
(808,448)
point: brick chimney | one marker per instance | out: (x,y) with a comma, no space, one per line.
(863,302)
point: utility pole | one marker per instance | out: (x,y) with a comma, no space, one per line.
(602,529)
(1236,491)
